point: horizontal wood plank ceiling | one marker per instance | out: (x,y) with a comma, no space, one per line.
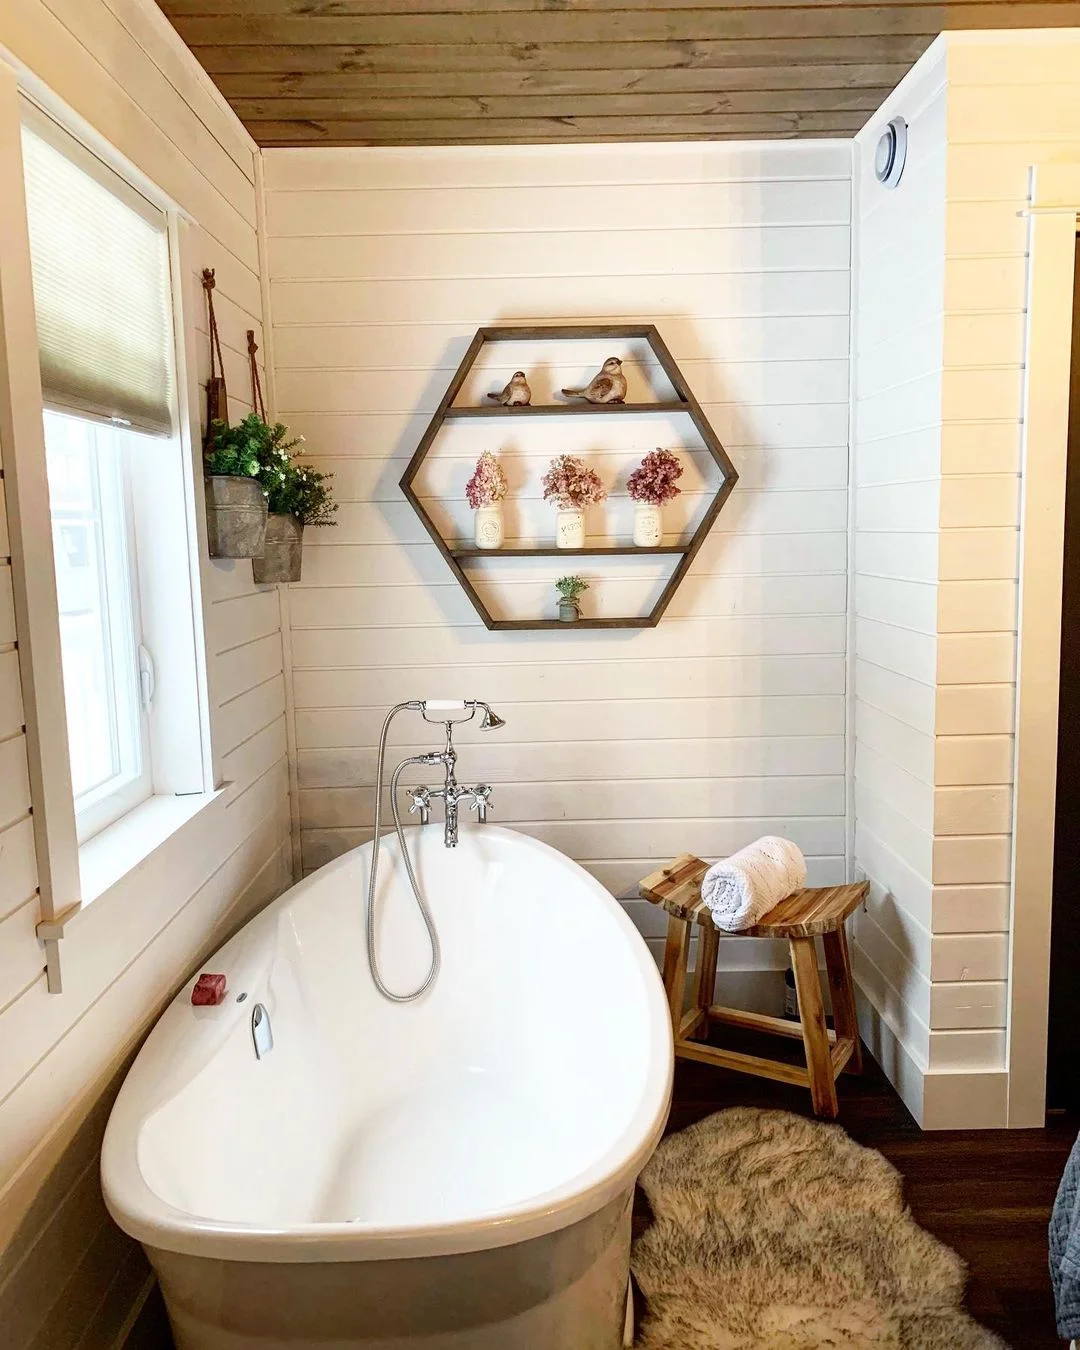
(419,72)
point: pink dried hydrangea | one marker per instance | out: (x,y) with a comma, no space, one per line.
(653,481)
(570,483)
(488,484)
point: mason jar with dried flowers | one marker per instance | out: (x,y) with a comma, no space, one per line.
(572,486)
(651,485)
(485,491)
(570,590)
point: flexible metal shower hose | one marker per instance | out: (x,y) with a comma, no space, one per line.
(425,913)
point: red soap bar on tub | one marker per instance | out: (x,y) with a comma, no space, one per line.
(209,990)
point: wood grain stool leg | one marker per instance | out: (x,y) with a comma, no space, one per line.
(842,989)
(705,978)
(676,957)
(815,1032)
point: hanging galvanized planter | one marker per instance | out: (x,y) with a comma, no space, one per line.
(282,555)
(235,517)
(235,505)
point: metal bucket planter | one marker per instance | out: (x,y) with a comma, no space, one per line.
(235,517)
(569,610)
(283,552)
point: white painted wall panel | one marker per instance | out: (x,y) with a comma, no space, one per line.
(1012,105)
(67,1276)
(620,748)
(897,412)
(1004,102)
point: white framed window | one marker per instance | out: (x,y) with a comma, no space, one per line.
(120,477)
(108,671)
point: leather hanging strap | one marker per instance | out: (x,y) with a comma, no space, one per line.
(256,384)
(217,397)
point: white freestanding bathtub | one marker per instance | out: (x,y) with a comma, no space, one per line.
(453,1173)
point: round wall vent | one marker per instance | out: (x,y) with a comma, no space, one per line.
(891,153)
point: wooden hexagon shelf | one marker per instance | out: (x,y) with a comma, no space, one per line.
(684,403)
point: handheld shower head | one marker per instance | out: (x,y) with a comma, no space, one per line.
(490,721)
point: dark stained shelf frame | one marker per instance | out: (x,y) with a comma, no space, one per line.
(524,625)
(685,404)
(567,410)
(615,551)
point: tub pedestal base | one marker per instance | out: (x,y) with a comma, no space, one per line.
(568,1288)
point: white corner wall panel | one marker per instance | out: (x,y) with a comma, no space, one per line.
(973,761)
(967,1051)
(985,501)
(915,655)
(976,553)
(898,342)
(968,658)
(1011,104)
(967,1004)
(973,810)
(971,908)
(976,607)
(902,790)
(120,66)
(974,709)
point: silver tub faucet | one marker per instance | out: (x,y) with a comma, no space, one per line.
(421,801)
(451,791)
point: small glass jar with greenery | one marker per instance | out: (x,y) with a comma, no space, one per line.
(570,590)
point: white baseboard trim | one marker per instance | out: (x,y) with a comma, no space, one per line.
(978,1100)
(974,1100)
(900,1067)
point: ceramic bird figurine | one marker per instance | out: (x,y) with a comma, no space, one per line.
(516,394)
(609,386)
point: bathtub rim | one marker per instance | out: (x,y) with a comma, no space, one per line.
(141,1213)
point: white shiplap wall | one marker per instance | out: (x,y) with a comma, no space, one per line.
(620,748)
(1013,103)
(939,380)
(900,264)
(67,1276)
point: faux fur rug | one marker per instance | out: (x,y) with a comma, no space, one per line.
(779,1233)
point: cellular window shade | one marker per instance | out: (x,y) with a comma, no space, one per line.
(100,260)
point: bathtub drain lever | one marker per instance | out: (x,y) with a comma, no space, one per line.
(261,1032)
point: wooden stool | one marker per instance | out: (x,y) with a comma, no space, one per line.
(813,912)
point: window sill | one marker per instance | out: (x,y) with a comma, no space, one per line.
(120,848)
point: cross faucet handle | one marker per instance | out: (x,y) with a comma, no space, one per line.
(481,799)
(421,801)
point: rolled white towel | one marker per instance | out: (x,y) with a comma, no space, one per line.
(741,890)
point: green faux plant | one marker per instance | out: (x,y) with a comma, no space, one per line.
(300,491)
(571,587)
(267,452)
(248,449)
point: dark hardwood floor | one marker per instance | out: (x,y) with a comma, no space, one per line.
(986,1193)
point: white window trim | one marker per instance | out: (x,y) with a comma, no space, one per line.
(110,855)
(71,878)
